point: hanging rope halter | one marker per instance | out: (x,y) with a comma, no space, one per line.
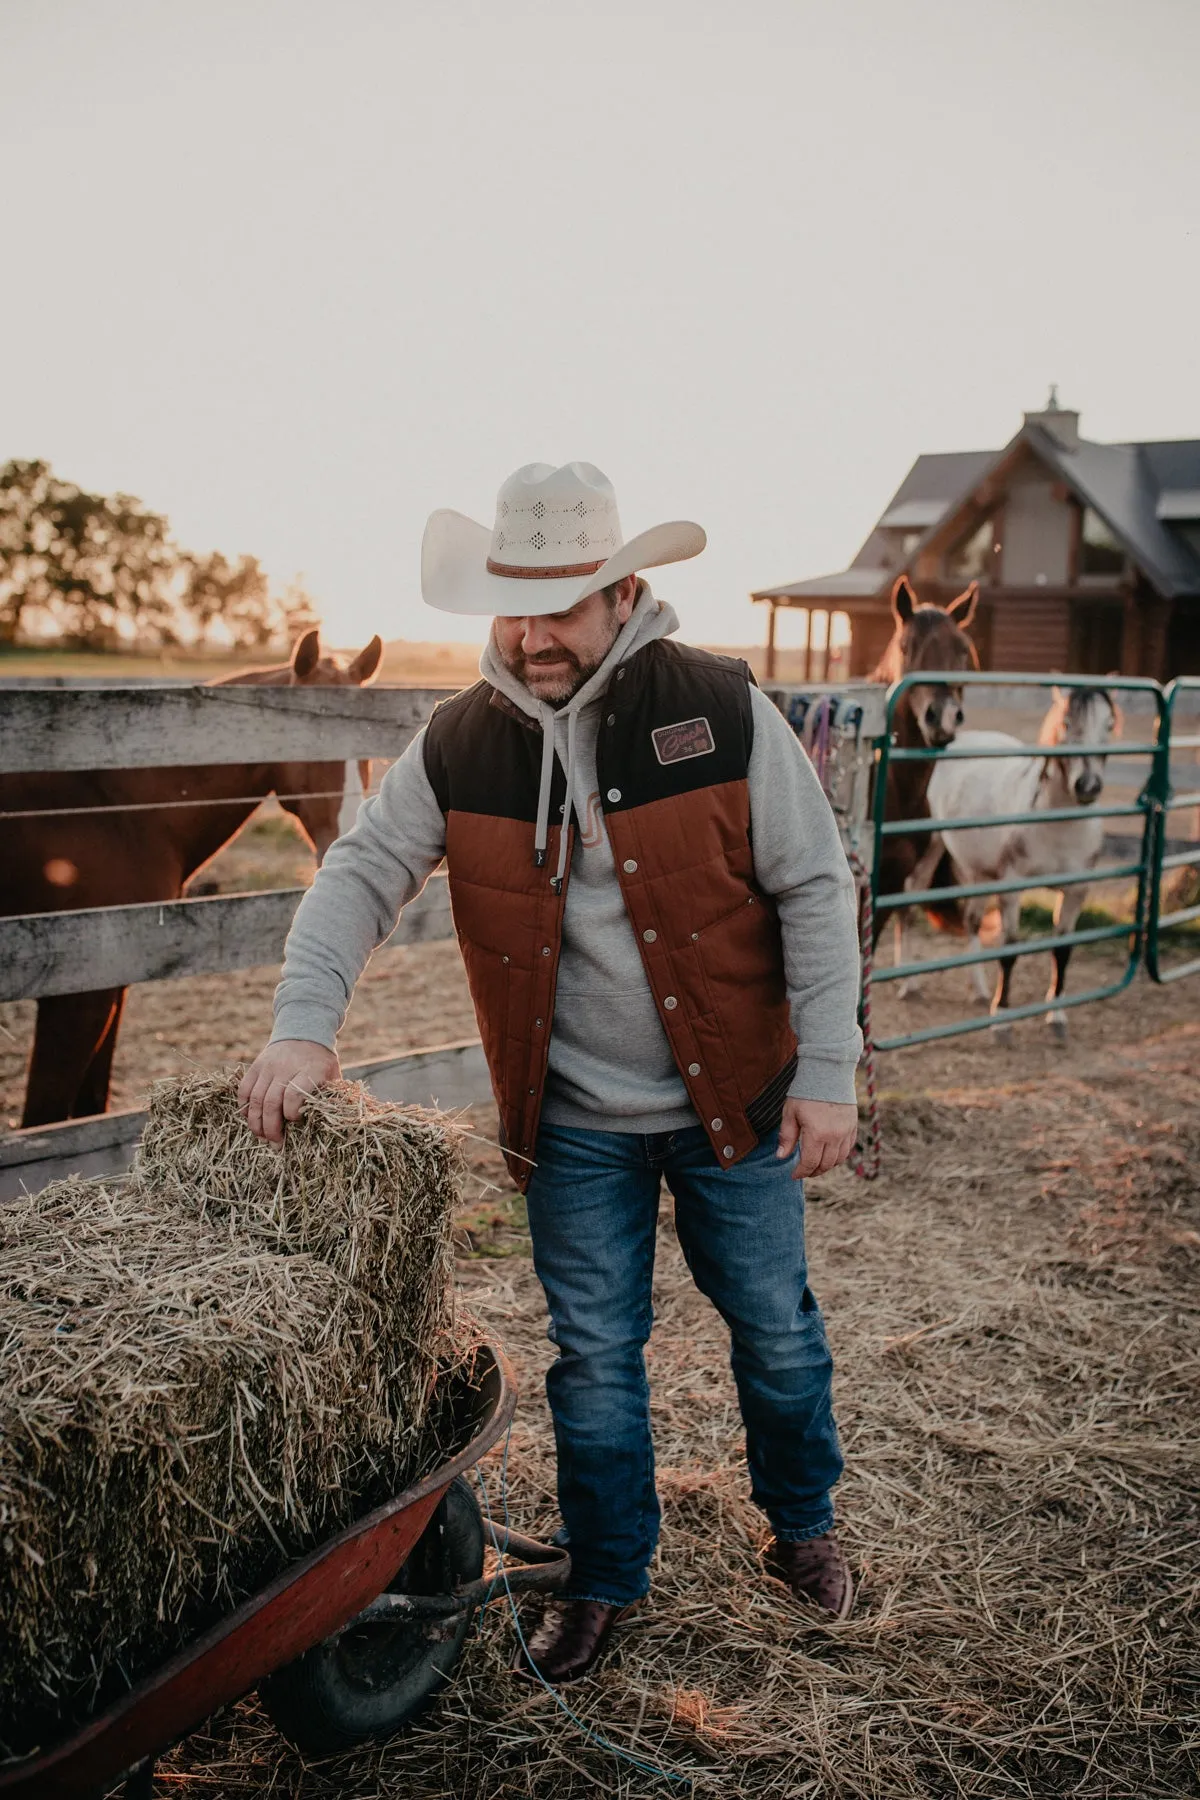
(866,1156)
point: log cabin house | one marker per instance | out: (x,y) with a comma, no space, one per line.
(1087,555)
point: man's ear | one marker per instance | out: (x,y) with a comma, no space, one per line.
(626,596)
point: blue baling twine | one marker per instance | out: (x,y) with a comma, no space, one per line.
(590,1733)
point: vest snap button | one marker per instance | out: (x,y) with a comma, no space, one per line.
(629,866)
(670,1003)
(728,1150)
(717,1123)
(693,1068)
(545,949)
(538,1024)
(620,674)
(614,794)
(504,959)
(612,718)
(695,937)
(532,1092)
(650,936)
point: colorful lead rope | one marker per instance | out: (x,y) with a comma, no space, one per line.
(865,1158)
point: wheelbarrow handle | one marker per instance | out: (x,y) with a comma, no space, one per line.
(543,1566)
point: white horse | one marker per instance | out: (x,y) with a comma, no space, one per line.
(973,788)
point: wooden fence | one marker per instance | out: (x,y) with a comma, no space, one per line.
(67,728)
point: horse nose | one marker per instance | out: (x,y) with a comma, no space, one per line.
(958,717)
(931,717)
(1087,787)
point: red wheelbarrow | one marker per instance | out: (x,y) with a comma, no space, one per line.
(346,1646)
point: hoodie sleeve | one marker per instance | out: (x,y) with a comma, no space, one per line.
(799,860)
(355,900)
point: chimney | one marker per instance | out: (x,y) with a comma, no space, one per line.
(1055,419)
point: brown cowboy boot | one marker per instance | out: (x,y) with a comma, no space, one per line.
(569,1640)
(816,1570)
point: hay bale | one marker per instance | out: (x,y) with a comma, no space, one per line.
(205,1373)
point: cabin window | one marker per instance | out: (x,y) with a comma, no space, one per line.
(1099,551)
(971,559)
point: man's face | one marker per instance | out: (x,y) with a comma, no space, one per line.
(554,654)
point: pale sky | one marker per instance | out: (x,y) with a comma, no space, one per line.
(297,272)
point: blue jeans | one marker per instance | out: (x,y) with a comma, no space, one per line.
(593,1207)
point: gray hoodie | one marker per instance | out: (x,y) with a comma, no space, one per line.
(610,1065)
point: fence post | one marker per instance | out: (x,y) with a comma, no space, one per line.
(1164,800)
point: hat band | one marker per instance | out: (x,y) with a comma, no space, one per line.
(550,572)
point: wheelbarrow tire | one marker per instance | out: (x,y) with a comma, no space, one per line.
(371,1682)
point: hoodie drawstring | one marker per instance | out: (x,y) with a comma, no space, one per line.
(563,837)
(542,829)
(541,835)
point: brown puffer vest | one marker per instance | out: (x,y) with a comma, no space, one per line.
(673,756)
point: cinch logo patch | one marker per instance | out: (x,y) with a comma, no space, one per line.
(675,743)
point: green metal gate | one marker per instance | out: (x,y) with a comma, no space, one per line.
(1169,800)
(1146,809)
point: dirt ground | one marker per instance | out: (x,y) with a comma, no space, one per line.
(1013,1311)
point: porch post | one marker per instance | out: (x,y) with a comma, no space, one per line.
(770,672)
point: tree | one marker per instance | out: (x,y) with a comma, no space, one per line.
(91,570)
(84,562)
(235,595)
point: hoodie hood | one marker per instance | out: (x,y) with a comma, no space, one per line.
(650,619)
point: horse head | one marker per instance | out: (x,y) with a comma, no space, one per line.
(929,637)
(318,802)
(314,792)
(1082,715)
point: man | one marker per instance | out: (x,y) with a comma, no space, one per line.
(657,922)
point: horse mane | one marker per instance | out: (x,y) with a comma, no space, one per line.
(1068,701)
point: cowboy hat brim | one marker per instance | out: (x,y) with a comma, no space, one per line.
(455,577)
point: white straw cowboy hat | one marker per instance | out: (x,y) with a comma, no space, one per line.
(557,539)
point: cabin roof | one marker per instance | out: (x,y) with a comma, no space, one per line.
(1140,490)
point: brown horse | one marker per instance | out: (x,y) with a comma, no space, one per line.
(71,857)
(933,638)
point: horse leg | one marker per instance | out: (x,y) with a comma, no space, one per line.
(74,1031)
(92,1096)
(923,873)
(974,912)
(1010,925)
(1067,909)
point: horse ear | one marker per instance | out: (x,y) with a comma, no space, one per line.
(962,610)
(306,655)
(904,601)
(366,664)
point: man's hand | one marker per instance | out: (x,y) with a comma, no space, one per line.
(277,1084)
(824,1130)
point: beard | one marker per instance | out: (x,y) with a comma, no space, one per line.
(564,672)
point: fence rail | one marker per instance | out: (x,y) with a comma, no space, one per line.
(447,1075)
(64,729)
(1170,801)
(56,728)
(43,954)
